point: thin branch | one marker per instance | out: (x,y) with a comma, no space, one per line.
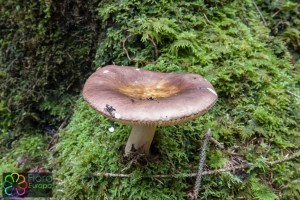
(205,173)
(286,158)
(295,95)
(201,164)
(139,60)
(124,47)
(206,19)
(64,123)
(55,137)
(278,11)
(218,144)
(260,14)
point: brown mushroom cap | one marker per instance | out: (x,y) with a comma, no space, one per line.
(137,96)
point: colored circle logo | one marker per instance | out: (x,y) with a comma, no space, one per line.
(15,185)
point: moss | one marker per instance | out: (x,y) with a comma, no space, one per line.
(46,52)
(24,154)
(283,19)
(226,43)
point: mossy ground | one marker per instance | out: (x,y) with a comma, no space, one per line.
(24,154)
(46,53)
(255,117)
(224,41)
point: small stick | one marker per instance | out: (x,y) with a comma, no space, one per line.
(139,60)
(63,125)
(201,165)
(206,19)
(260,14)
(286,158)
(275,13)
(55,137)
(124,47)
(295,95)
(205,173)
(218,144)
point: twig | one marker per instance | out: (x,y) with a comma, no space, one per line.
(206,19)
(260,14)
(64,123)
(286,158)
(55,137)
(205,173)
(139,60)
(278,11)
(218,144)
(201,165)
(295,95)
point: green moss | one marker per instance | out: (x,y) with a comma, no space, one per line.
(227,44)
(46,51)
(283,19)
(96,150)
(23,154)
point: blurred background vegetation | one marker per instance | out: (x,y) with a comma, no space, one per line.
(46,51)
(48,48)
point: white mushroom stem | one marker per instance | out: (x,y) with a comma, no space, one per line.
(140,139)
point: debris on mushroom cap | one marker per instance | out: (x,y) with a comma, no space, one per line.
(117,116)
(134,96)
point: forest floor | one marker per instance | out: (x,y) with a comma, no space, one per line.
(248,50)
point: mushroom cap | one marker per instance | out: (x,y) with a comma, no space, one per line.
(136,96)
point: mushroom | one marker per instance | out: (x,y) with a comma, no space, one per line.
(147,99)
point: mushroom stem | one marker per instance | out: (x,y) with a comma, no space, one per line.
(140,139)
